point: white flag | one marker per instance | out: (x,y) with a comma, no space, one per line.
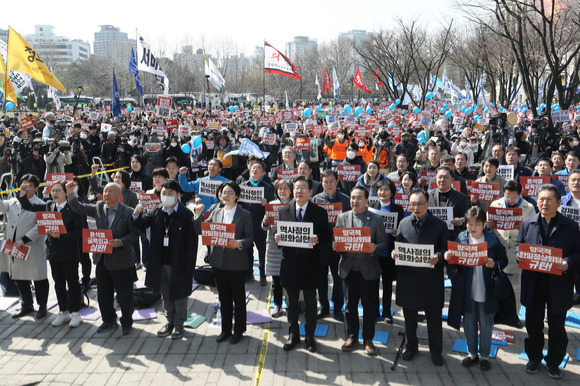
(148,63)
(214,75)
(53,93)
(19,79)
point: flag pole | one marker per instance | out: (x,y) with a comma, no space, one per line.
(5,80)
(264,80)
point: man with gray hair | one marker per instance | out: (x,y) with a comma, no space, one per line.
(115,271)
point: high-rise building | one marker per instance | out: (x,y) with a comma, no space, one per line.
(356,35)
(300,47)
(111,43)
(57,51)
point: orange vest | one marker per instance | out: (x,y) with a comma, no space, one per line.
(366,154)
(338,151)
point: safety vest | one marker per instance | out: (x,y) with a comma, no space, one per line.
(366,154)
(384,157)
(338,151)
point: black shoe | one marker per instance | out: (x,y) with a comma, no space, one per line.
(554,372)
(249,278)
(519,324)
(165,331)
(126,330)
(236,338)
(263,281)
(532,367)
(277,311)
(41,312)
(178,333)
(421,318)
(468,361)
(291,343)
(437,359)
(310,344)
(85,286)
(338,315)
(484,365)
(388,318)
(223,336)
(323,313)
(577,298)
(23,312)
(409,354)
(106,326)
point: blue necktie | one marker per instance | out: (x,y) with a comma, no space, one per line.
(299,215)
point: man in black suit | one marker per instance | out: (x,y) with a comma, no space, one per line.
(421,288)
(361,271)
(115,271)
(300,269)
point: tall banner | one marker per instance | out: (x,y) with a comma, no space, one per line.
(134,70)
(115,101)
(276,62)
(358,83)
(19,80)
(149,63)
(214,75)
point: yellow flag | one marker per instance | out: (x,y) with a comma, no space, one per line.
(21,57)
(9,92)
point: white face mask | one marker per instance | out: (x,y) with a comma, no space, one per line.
(340,137)
(463,144)
(168,201)
(361,145)
(575,143)
(173,144)
(351,154)
(83,136)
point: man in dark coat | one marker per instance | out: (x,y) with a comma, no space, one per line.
(422,288)
(539,289)
(172,254)
(300,269)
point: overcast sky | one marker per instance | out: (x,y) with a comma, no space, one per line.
(171,24)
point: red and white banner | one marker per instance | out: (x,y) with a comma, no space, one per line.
(471,255)
(505,219)
(97,241)
(51,179)
(485,191)
(348,173)
(426,177)
(217,234)
(302,144)
(50,222)
(272,211)
(540,258)
(148,200)
(286,174)
(402,199)
(356,240)
(333,209)
(563,178)
(269,139)
(9,249)
(530,185)
(276,62)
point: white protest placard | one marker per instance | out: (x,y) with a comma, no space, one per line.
(183,130)
(414,255)
(291,127)
(389,218)
(295,234)
(152,147)
(570,212)
(136,186)
(506,172)
(445,213)
(208,188)
(269,139)
(164,107)
(252,195)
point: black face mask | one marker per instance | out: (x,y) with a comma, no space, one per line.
(52,123)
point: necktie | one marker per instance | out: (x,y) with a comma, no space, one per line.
(299,215)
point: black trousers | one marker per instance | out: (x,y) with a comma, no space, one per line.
(40,289)
(65,274)
(293,308)
(86,266)
(387,287)
(337,286)
(434,330)
(108,282)
(557,338)
(277,290)
(231,286)
(365,291)
(261,247)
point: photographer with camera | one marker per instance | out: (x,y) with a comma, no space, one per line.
(52,129)
(58,157)
(28,155)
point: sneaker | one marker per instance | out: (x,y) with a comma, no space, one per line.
(75,320)
(61,319)
(468,361)
(532,367)
(554,372)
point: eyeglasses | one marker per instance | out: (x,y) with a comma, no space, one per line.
(228,193)
(417,204)
(56,190)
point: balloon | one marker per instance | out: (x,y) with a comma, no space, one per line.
(347,109)
(391,124)
(486,110)
(421,135)
(236,107)
(539,110)
(442,110)
(392,107)
(307,112)
(358,111)
(369,111)
(397,102)
(476,118)
(383,111)
(516,110)
(319,108)
(557,108)
(469,110)
(129,108)
(429,95)
(524,110)
(186,148)
(403,112)
(231,109)
(416,110)
(445,106)
(9,106)
(196,141)
(448,115)
(491,105)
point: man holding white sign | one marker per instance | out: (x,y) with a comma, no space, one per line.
(422,288)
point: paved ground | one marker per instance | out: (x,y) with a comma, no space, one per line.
(34,352)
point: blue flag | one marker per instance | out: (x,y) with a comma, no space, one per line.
(248,148)
(115,101)
(133,70)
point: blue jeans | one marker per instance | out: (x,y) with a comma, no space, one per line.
(470,321)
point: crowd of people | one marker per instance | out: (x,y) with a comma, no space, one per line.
(327,173)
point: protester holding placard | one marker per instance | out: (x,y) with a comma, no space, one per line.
(222,148)
(329,258)
(283,195)
(511,199)
(21,229)
(300,270)
(352,159)
(371,178)
(172,255)
(409,182)
(138,173)
(361,270)
(115,271)
(288,167)
(572,199)
(548,228)
(472,294)
(257,174)
(63,252)
(489,168)
(230,265)
(544,169)
(214,168)
(337,147)
(386,194)
(420,288)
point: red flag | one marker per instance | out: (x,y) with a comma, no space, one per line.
(379,83)
(276,62)
(323,83)
(357,81)
(328,83)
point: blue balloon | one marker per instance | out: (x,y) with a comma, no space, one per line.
(9,106)
(383,110)
(129,109)
(369,111)
(539,110)
(392,107)
(358,111)
(516,110)
(398,102)
(307,112)
(347,109)
(445,106)
(429,95)
(236,107)
(421,135)
(231,109)
(416,110)
(476,118)
(491,105)
(486,110)
(442,110)
(391,124)
(319,108)
(524,110)
(448,115)
(403,112)
(186,148)
(469,110)
(543,105)
(556,108)
(196,141)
